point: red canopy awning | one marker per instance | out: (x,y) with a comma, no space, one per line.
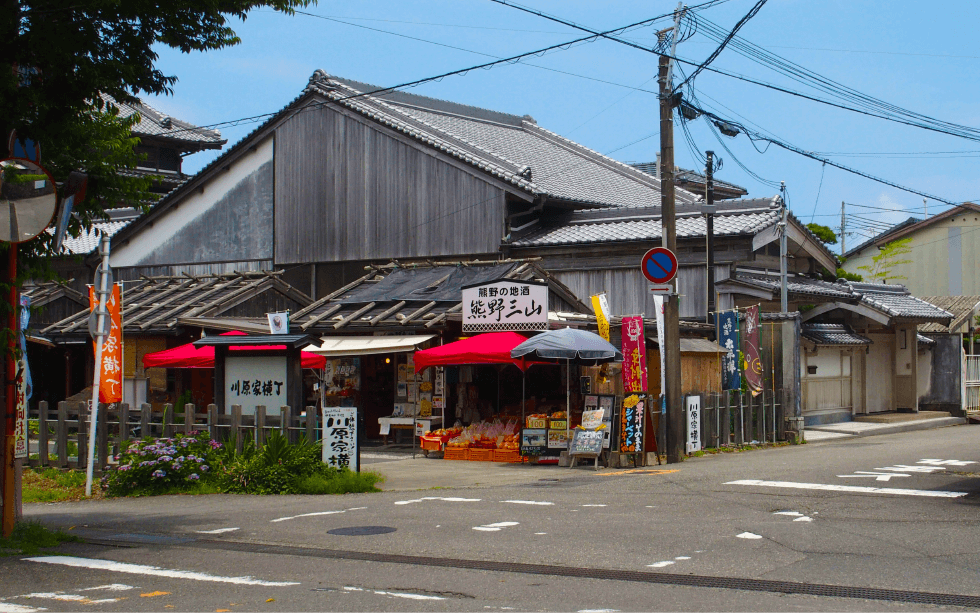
(489,348)
(189,356)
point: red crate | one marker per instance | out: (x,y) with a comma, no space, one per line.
(481,455)
(431,443)
(456,453)
(507,455)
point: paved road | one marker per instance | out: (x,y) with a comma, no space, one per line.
(881,523)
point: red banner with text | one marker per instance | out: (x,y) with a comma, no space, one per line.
(110,371)
(634,356)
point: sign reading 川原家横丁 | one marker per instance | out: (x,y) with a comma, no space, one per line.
(505,304)
(251,381)
(340,437)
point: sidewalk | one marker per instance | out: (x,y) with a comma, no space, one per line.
(890,423)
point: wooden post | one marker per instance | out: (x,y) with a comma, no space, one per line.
(102,438)
(82,438)
(260,425)
(213,421)
(236,425)
(61,434)
(738,422)
(311,419)
(42,433)
(781,416)
(124,432)
(286,423)
(726,419)
(145,411)
(189,415)
(167,421)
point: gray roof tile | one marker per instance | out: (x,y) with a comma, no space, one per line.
(832,334)
(154,123)
(896,301)
(800,286)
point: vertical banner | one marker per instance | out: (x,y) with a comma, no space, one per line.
(110,371)
(634,356)
(750,349)
(20,419)
(601,308)
(658,302)
(631,425)
(693,424)
(728,339)
(339,438)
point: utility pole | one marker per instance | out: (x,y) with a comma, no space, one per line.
(10,398)
(675,430)
(925,206)
(709,210)
(843,229)
(783,293)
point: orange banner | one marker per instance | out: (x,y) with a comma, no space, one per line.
(110,371)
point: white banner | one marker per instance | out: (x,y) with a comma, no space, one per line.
(339,437)
(693,424)
(505,305)
(658,302)
(255,380)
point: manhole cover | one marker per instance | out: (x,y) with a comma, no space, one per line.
(361,530)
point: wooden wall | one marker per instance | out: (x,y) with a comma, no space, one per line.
(347,189)
(700,372)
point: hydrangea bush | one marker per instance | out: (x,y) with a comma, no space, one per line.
(156,466)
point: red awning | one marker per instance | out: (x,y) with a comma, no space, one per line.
(489,348)
(189,356)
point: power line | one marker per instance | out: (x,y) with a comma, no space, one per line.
(724,43)
(823,169)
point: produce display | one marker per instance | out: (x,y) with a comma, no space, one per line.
(488,435)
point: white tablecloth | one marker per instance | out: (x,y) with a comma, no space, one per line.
(427,422)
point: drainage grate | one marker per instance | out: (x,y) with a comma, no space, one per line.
(729,583)
(361,530)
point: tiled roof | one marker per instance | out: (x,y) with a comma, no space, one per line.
(779,316)
(799,286)
(911,221)
(734,217)
(896,301)
(962,308)
(689,176)
(88,240)
(154,123)
(925,340)
(514,149)
(833,334)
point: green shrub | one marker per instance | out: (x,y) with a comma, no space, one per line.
(160,466)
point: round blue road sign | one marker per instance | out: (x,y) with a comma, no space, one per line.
(659,265)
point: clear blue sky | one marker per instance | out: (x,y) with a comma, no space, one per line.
(899,51)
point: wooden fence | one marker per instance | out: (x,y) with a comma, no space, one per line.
(64,432)
(737,418)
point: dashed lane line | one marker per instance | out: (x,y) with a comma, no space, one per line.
(857,489)
(141,569)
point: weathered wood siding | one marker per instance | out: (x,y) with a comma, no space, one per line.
(347,189)
(628,290)
(216,268)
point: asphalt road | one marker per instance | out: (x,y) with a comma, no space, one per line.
(878,523)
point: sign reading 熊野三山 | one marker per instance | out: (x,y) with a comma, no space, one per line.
(505,305)
(110,371)
(340,437)
(634,356)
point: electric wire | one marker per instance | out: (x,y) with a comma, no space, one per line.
(823,168)
(722,43)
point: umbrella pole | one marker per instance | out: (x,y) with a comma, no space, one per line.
(523,396)
(568,399)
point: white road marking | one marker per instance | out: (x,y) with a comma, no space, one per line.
(790,513)
(540,533)
(903,468)
(848,488)
(683,558)
(661,564)
(8,607)
(804,519)
(748,535)
(140,569)
(63,597)
(530,502)
(496,527)
(593,505)
(598,611)
(867,474)
(220,530)
(946,462)
(396,594)
(273,521)
(112,587)
(450,499)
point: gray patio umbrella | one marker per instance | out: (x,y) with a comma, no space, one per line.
(568,345)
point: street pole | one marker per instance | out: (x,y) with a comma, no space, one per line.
(672,352)
(100,316)
(783,294)
(843,232)
(10,391)
(709,214)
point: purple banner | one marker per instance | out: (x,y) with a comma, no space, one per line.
(750,348)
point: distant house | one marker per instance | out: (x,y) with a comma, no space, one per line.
(694,181)
(945,249)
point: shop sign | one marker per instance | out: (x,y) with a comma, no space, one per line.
(339,437)
(634,356)
(586,442)
(693,424)
(110,371)
(592,419)
(533,441)
(255,380)
(505,305)
(557,439)
(631,425)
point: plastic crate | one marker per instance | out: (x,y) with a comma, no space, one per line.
(482,455)
(507,455)
(431,443)
(456,453)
